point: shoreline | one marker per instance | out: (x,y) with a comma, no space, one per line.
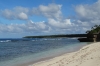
(74,58)
(52,56)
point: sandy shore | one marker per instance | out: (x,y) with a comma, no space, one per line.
(87,56)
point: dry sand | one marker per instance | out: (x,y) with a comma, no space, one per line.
(87,56)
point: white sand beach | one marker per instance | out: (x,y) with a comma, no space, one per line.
(87,56)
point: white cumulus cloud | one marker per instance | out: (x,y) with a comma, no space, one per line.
(15,13)
(50,11)
(87,16)
(23,13)
(89,12)
(22,16)
(64,24)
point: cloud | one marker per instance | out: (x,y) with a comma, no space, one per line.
(39,26)
(87,16)
(12,28)
(64,24)
(89,13)
(15,13)
(29,27)
(22,16)
(50,11)
(23,13)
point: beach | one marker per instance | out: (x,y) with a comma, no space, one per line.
(89,55)
(25,53)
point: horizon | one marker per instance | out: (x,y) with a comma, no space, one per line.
(19,18)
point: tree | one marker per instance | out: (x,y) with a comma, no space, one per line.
(94,29)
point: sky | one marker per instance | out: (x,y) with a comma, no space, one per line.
(19,18)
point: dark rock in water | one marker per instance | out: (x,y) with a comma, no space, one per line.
(90,38)
(86,39)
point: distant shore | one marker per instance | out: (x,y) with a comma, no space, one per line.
(87,56)
(57,36)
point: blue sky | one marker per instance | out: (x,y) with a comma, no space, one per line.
(20,18)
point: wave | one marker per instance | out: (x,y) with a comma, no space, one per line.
(33,39)
(5,41)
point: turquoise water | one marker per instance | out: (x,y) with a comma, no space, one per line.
(13,53)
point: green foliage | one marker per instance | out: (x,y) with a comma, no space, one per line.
(95,29)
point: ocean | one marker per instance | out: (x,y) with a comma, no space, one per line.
(14,52)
